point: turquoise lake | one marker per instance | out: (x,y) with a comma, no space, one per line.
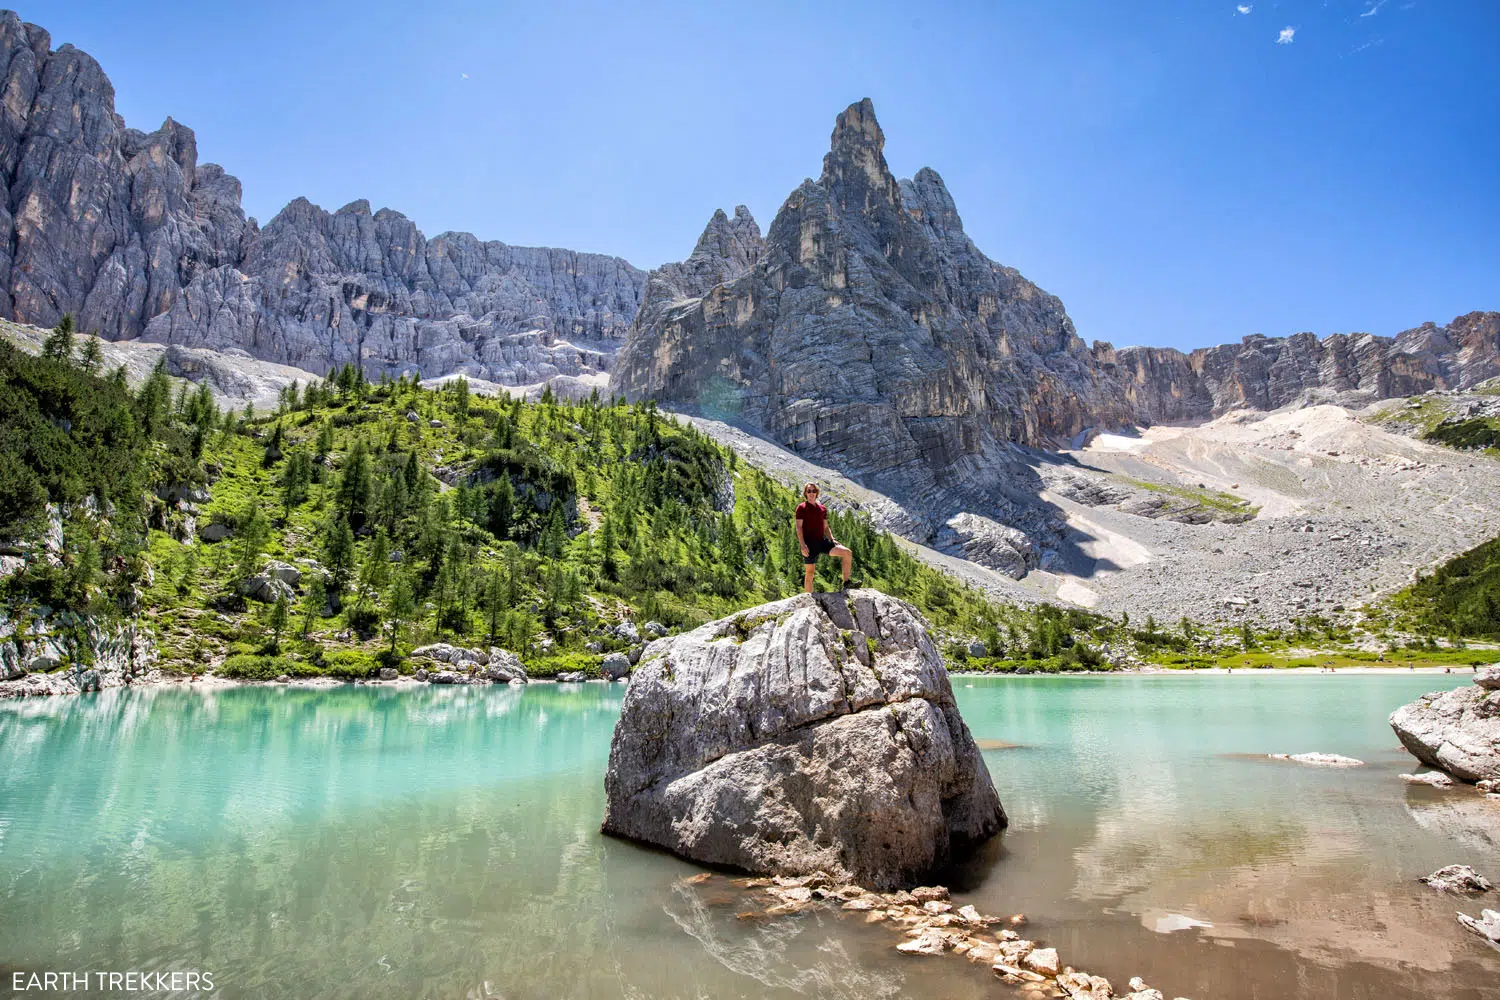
(360,841)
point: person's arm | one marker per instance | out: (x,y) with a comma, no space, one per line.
(801,542)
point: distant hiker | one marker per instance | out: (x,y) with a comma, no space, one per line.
(815,539)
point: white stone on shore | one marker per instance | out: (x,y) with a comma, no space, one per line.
(1437,779)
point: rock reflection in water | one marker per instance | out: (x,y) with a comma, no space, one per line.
(804,954)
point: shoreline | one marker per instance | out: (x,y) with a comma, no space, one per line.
(18,689)
(1150,671)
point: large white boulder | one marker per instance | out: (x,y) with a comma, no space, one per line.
(817,733)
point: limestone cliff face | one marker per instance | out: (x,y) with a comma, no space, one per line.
(869,329)
(865,326)
(135,238)
(316,289)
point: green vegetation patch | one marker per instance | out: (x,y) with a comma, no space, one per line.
(404,515)
(1460,598)
(1227,504)
(1474,433)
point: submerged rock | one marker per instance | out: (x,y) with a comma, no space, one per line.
(1319,759)
(1457,878)
(765,741)
(1456,731)
(1487,926)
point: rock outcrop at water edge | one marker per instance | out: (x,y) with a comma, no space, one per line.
(1456,731)
(818,733)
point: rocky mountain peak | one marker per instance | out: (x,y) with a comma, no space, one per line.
(736,242)
(927,199)
(854,171)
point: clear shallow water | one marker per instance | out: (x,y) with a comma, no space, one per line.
(368,842)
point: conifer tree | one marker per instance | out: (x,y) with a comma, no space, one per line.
(461,398)
(91,359)
(277,619)
(355,483)
(338,553)
(59,343)
(375,571)
(313,602)
(400,605)
(325,439)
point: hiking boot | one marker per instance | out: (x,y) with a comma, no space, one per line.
(852,584)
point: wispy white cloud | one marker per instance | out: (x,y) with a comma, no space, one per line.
(1372,7)
(464,75)
(1366,45)
(1245,8)
(1287,34)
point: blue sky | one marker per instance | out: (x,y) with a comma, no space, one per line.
(1179,173)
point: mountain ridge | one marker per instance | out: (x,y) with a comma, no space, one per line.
(921,260)
(128,232)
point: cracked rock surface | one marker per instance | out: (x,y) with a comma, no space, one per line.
(1456,731)
(783,740)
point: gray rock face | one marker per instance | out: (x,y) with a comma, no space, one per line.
(318,289)
(1456,731)
(868,331)
(118,656)
(615,666)
(865,326)
(133,236)
(989,543)
(814,733)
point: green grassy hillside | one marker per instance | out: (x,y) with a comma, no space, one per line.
(1460,598)
(413,515)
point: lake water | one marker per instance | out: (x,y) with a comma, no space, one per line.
(443,843)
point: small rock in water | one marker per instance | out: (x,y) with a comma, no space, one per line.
(929,942)
(937,906)
(1487,926)
(1437,779)
(1457,878)
(929,893)
(1319,759)
(1043,961)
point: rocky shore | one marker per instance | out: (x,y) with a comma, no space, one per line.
(929,924)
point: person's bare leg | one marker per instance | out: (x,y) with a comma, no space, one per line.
(846,557)
(808,572)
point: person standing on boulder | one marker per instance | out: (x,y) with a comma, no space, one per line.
(816,539)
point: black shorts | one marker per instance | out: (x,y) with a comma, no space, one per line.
(821,547)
